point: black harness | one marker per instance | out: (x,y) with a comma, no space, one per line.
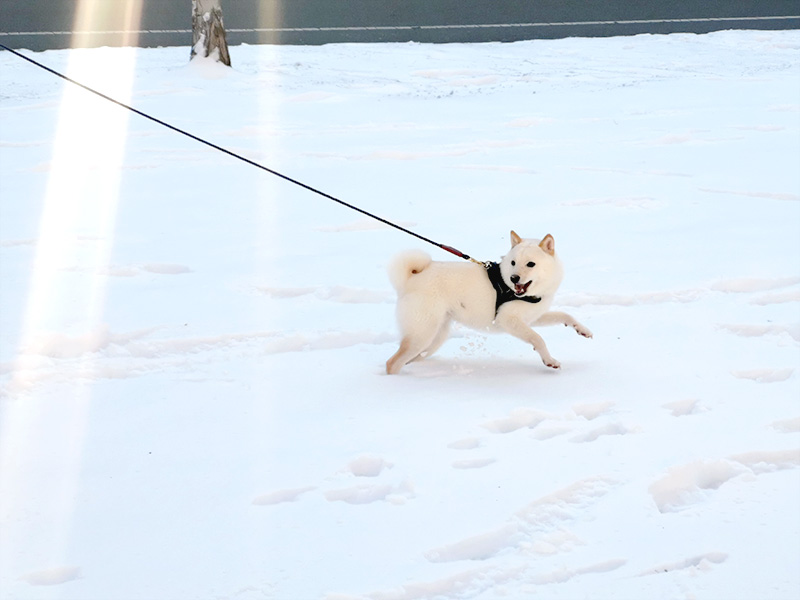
(504,293)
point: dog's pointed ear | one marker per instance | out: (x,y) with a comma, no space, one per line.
(515,239)
(548,244)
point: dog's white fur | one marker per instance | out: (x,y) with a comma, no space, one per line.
(432,294)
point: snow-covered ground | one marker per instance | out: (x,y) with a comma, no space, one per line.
(194,403)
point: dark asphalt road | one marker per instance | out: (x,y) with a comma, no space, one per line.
(51,24)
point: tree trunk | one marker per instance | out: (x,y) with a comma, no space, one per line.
(208,32)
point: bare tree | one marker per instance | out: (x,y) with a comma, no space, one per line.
(208,32)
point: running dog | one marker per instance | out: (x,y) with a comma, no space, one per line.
(507,296)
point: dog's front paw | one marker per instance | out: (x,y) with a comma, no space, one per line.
(584,331)
(551,362)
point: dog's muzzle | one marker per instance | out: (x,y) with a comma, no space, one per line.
(519,288)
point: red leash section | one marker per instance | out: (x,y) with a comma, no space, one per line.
(460,254)
(250,162)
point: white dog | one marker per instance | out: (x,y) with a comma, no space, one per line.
(509,296)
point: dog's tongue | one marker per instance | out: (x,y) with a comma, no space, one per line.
(521,288)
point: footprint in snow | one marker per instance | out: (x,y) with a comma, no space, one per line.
(787,425)
(339,293)
(473,463)
(281,496)
(544,518)
(564,575)
(55,576)
(688,484)
(465,444)
(749,331)
(592,410)
(682,408)
(749,285)
(518,419)
(703,562)
(594,434)
(546,433)
(386,488)
(366,494)
(155,268)
(477,463)
(368,466)
(764,375)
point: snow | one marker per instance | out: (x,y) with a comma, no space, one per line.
(194,402)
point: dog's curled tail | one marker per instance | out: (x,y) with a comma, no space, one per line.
(405,265)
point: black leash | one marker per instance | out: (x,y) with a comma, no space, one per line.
(253,163)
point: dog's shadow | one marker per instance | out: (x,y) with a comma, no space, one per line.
(507,371)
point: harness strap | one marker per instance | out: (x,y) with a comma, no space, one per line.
(504,293)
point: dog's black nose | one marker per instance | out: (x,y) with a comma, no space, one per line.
(515,279)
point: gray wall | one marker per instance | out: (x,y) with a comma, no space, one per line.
(48,24)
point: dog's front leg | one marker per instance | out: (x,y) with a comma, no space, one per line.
(519,329)
(562,318)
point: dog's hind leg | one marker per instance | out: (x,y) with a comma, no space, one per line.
(411,347)
(441,337)
(405,354)
(422,333)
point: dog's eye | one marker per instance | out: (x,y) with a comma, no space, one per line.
(513,263)
(531,264)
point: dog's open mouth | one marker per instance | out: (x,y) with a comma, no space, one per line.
(521,288)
